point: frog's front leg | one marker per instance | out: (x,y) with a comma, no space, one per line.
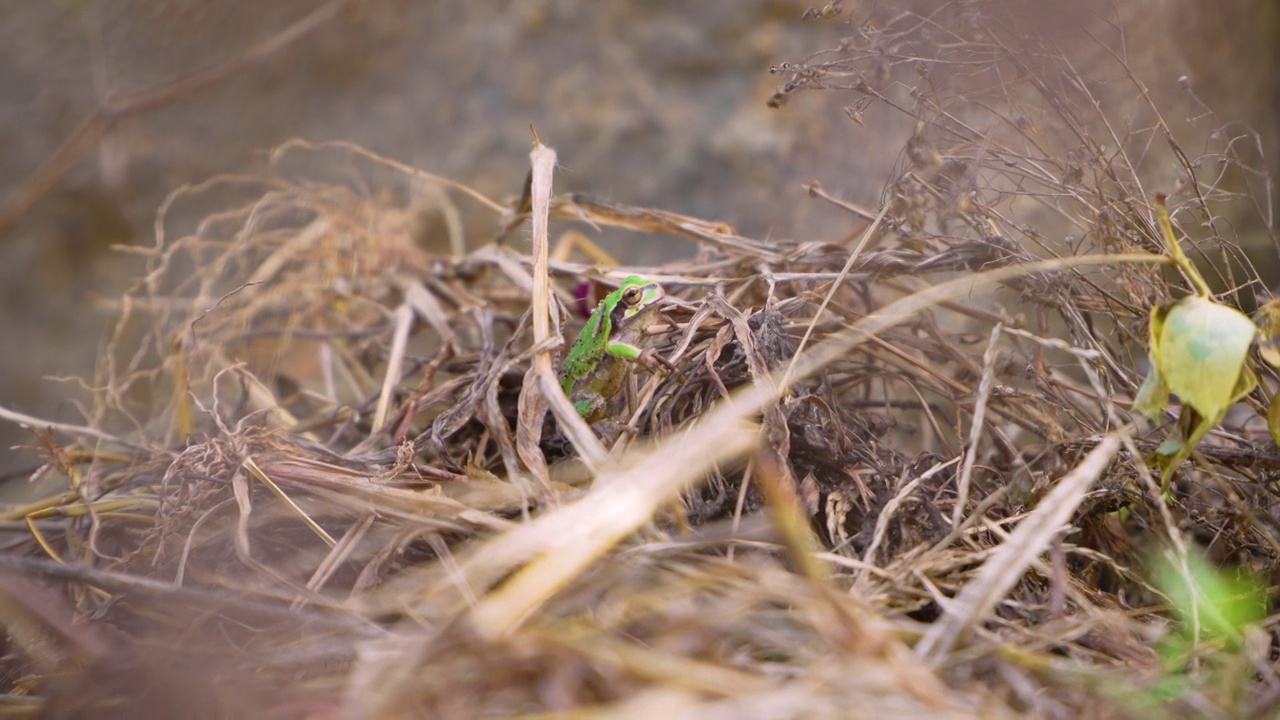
(647,357)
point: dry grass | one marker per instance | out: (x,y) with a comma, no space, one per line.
(892,475)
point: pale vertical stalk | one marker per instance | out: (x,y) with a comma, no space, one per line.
(543,161)
(975,431)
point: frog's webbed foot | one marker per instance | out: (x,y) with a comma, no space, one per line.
(610,430)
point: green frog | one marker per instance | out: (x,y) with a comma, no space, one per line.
(597,362)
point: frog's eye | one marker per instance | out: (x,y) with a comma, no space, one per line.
(632,295)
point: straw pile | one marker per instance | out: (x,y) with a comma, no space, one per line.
(327,471)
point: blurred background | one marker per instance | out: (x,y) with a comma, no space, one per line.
(107,107)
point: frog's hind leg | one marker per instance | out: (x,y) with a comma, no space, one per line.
(590,405)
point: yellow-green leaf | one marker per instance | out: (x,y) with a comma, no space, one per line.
(1200,349)
(1153,396)
(1268,320)
(1273,418)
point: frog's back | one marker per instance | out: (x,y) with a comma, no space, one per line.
(586,352)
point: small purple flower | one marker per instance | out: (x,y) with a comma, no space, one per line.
(584,295)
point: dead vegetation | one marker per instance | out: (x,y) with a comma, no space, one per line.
(894,474)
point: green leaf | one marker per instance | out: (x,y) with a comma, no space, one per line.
(1214,603)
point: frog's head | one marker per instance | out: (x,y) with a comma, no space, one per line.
(635,295)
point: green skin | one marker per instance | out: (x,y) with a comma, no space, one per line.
(597,363)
